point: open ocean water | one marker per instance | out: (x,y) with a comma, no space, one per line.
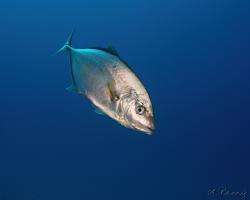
(193,56)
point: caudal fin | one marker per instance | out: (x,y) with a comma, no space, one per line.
(67,44)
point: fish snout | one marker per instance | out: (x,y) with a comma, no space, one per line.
(148,127)
(151,124)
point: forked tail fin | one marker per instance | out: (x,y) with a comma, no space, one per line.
(67,46)
(68,43)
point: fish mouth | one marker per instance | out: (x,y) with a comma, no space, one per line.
(146,129)
(150,129)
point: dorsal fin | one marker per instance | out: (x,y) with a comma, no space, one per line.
(109,49)
(113,51)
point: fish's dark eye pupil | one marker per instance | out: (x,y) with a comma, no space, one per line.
(140,110)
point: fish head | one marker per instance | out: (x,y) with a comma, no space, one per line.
(139,112)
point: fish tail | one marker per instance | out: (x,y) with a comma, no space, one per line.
(68,44)
(68,47)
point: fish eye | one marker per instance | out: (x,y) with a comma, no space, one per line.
(140,110)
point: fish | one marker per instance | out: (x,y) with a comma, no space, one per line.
(101,75)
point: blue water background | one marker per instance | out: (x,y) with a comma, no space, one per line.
(193,57)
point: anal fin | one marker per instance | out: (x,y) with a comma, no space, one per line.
(72,88)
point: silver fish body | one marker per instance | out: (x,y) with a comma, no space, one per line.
(110,85)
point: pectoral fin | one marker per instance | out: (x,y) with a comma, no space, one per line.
(114,96)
